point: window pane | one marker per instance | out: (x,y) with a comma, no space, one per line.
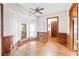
(32,30)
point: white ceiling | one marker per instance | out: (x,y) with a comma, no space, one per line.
(48,7)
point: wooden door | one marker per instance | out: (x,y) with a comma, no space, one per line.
(54,28)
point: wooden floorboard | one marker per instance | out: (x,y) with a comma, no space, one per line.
(39,48)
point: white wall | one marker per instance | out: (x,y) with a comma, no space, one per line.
(14,15)
(63,22)
(12,7)
(42,26)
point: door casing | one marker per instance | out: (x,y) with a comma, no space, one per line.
(57,22)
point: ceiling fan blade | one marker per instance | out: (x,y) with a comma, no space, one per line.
(40,12)
(41,9)
(32,9)
(34,12)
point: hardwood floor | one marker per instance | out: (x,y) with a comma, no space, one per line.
(39,48)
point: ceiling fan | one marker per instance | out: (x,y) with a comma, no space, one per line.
(37,10)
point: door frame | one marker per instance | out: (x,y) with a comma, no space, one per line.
(2,22)
(71,15)
(57,21)
(77,29)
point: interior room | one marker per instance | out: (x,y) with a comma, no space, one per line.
(39,29)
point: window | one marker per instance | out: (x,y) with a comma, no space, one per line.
(32,31)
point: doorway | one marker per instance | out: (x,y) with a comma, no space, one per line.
(73,36)
(52,26)
(75,33)
(23,31)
